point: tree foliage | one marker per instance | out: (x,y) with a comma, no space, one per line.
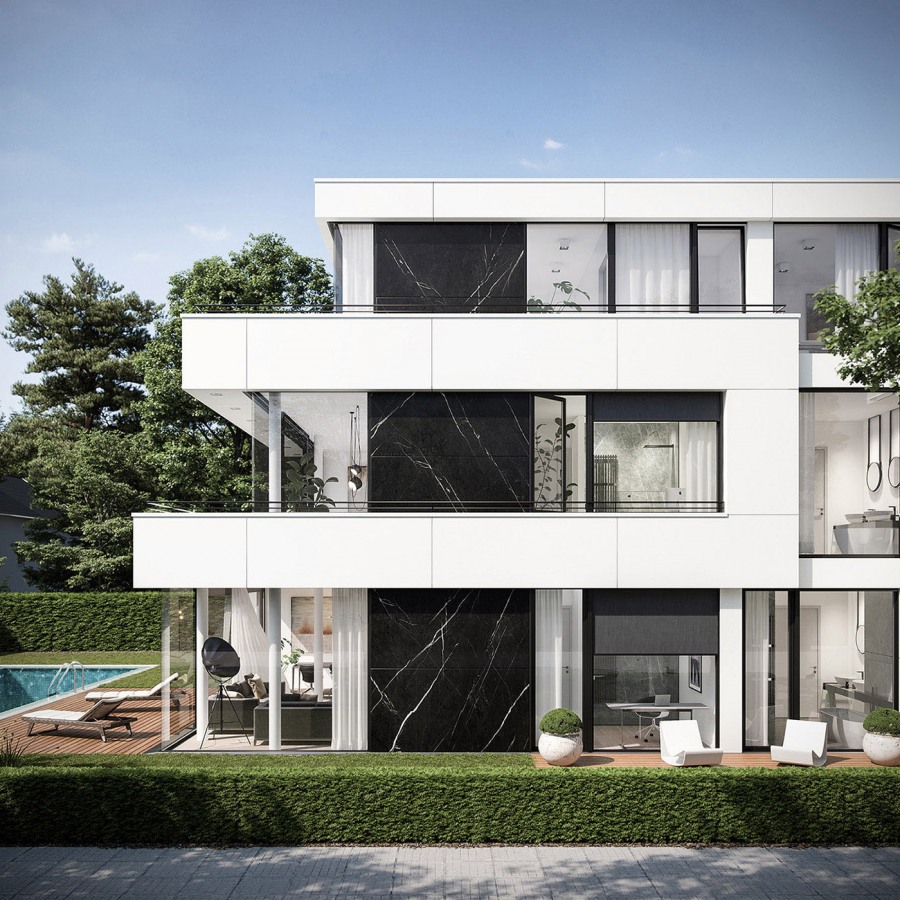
(865,332)
(198,454)
(82,339)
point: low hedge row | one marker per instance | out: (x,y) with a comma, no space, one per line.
(91,621)
(291,805)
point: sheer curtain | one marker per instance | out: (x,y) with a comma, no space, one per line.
(358,267)
(653,266)
(756,675)
(697,457)
(350,695)
(855,254)
(807,472)
(548,648)
(247,636)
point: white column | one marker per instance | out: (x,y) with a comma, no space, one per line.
(760,263)
(273,632)
(731,670)
(201,691)
(318,627)
(275,452)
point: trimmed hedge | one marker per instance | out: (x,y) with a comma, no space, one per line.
(292,804)
(80,622)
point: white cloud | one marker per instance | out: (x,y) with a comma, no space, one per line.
(144,256)
(529,164)
(675,153)
(208,234)
(60,243)
(550,144)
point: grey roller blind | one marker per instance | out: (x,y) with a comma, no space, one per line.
(656,622)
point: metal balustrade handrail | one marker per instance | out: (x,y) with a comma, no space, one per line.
(439,506)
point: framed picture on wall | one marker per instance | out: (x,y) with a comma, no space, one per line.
(695,674)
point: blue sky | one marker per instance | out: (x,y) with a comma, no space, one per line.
(143,136)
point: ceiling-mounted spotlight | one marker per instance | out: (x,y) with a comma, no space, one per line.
(564,243)
(555,268)
(783,267)
(808,244)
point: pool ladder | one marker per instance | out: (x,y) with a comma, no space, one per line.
(56,682)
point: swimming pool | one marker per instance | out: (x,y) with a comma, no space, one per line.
(24,685)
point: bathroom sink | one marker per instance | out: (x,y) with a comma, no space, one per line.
(849,681)
(878,515)
(855,518)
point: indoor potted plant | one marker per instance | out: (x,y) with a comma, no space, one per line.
(560,743)
(881,742)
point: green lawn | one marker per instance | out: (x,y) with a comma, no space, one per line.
(146,679)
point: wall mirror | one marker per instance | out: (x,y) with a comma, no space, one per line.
(873,469)
(894,447)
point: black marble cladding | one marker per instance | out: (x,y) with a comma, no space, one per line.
(450,670)
(454,451)
(450,268)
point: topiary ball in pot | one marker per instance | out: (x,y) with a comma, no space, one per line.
(560,743)
(881,742)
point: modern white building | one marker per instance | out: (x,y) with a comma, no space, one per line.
(587,452)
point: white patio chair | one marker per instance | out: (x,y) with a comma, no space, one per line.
(804,744)
(680,745)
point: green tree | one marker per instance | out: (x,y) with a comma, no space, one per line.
(198,454)
(93,483)
(865,332)
(82,339)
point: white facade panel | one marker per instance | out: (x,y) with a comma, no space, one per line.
(339,551)
(214,352)
(714,552)
(688,201)
(551,550)
(761,447)
(707,353)
(849,573)
(371,201)
(846,201)
(189,551)
(539,352)
(338,353)
(526,201)
(759,264)
(820,370)
(731,670)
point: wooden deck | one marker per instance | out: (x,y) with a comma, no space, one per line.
(147,728)
(837,759)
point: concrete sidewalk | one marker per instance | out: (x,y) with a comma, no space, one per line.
(458,872)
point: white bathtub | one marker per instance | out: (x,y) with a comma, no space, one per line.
(845,726)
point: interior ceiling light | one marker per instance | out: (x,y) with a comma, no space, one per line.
(215,394)
(564,243)
(808,244)
(555,268)
(783,267)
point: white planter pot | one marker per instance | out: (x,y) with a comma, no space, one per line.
(560,749)
(882,749)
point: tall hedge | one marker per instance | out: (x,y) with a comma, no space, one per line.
(283,806)
(80,622)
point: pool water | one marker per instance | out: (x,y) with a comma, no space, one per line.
(21,685)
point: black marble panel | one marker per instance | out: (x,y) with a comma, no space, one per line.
(449,450)
(439,267)
(450,670)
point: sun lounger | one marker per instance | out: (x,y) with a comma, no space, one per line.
(97,718)
(93,696)
(680,745)
(804,744)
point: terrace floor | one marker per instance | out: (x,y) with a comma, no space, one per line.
(146,727)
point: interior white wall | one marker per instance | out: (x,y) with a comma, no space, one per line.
(583,263)
(705,718)
(731,670)
(758,262)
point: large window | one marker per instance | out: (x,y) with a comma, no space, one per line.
(811,257)
(849,473)
(826,656)
(656,452)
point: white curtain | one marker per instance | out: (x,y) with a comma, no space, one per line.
(855,254)
(548,647)
(697,454)
(756,676)
(350,695)
(653,266)
(247,636)
(807,472)
(358,267)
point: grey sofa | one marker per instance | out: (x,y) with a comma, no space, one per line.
(237,715)
(302,721)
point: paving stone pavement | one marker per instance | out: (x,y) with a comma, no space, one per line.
(262,873)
